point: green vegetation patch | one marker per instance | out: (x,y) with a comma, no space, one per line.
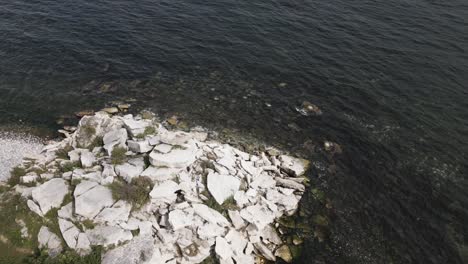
(13,247)
(68,166)
(67,257)
(97,142)
(63,152)
(15,175)
(149,130)
(136,192)
(118,155)
(88,130)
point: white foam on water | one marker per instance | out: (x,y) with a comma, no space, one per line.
(13,147)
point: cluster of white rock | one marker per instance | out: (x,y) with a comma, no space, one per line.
(175,225)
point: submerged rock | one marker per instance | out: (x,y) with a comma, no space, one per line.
(308,108)
(284,253)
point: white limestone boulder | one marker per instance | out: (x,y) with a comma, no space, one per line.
(138,250)
(180,218)
(294,166)
(50,194)
(259,215)
(175,137)
(210,215)
(165,192)
(87,159)
(221,186)
(141,146)
(69,232)
(92,127)
(163,148)
(66,212)
(49,241)
(108,235)
(34,207)
(223,249)
(236,219)
(178,157)
(136,127)
(118,213)
(90,203)
(160,174)
(115,138)
(131,169)
(83,246)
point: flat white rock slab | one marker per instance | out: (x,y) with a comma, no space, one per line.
(108,235)
(50,194)
(221,186)
(90,203)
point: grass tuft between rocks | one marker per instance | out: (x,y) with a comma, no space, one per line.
(67,257)
(118,155)
(149,130)
(15,175)
(136,192)
(63,152)
(15,249)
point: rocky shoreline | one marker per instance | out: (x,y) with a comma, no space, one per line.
(147,194)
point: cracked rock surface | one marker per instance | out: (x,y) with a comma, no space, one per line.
(204,196)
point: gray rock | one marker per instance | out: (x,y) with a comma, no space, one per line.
(176,158)
(236,219)
(222,187)
(30,178)
(294,166)
(87,159)
(118,213)
(210,215)
(139,146)
(108,235)
(34,207)
(175,137)
(74,155)
(290,184)
(83,187)
(50,241)
(133,168)
(165,192)
(136,127)
(83,246)
(108,171)
(91,127)
(69,232)
(66,212)
(265,251)
(115,138)
(163,148)
(284,253)
(160,174)
(50,194)
(91,202)
(258,215)
(138,250)
(222,249)
(179,219)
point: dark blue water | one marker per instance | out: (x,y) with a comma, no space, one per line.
(390,76)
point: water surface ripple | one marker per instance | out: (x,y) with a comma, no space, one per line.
(390,77)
